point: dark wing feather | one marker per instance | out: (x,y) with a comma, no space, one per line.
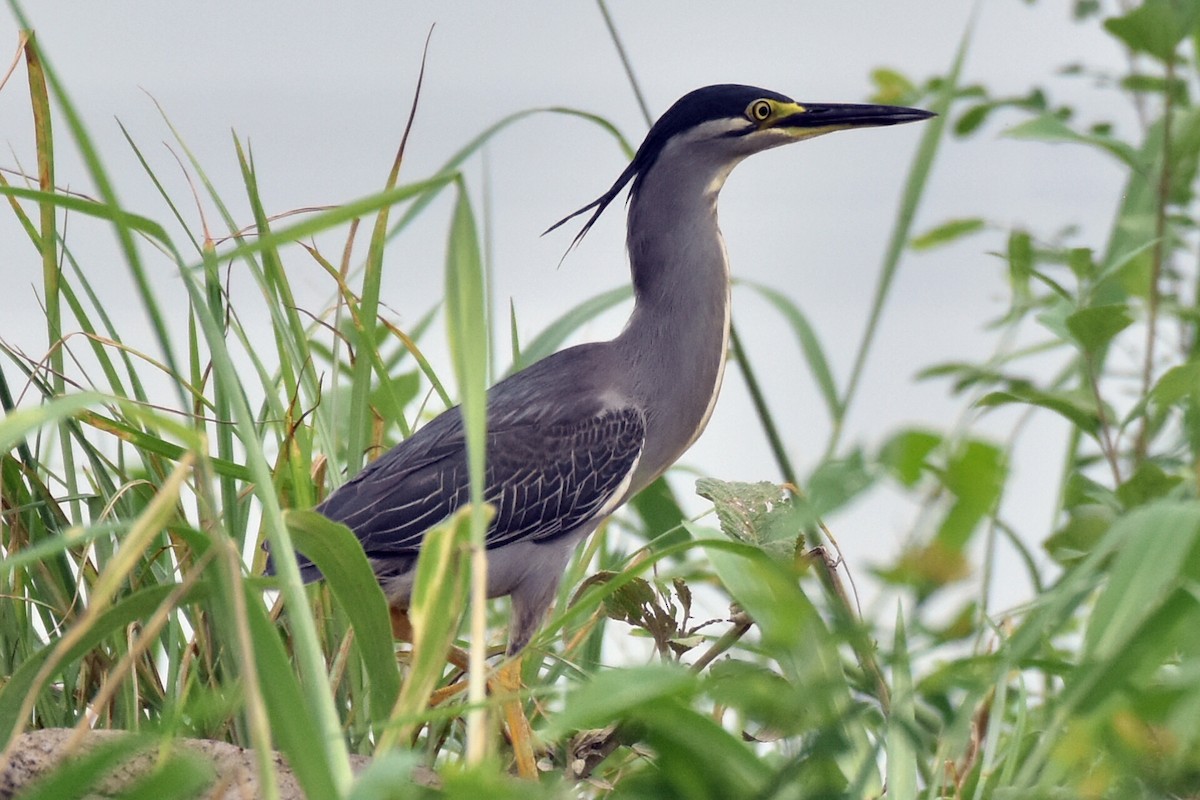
(545,478)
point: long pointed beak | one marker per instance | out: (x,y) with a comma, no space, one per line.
(839,116)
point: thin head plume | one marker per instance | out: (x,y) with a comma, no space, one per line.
(600,203)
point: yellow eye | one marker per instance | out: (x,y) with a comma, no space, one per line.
(759,111)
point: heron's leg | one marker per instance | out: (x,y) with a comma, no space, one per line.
(401,625)
(520,734)
(529,605)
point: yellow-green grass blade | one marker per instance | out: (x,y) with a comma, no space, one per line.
(435,612)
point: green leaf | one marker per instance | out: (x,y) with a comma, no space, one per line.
(339,556)
(975,474)
(972,118)
(439,596)
(759,514)
(1155,27)
(762,695)
(891,87)
(1085,526)
(902,752)
(1147,483)
(1020,261)
(1180,381)
(1159,551)
(75,778)
(767,591)
(947,232)
(612,694)
(467,329)
(1050,128)
(698,757)
(18,424)
(833,484)
(294,723)
(906,454)
(1077,406)
(1095,327)
(181,776)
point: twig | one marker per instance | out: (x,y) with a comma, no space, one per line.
(863,649)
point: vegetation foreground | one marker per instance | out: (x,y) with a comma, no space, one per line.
(131,588)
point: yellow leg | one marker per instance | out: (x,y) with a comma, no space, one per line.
(508,680)
(506,683)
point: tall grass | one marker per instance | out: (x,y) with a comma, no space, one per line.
(131,594)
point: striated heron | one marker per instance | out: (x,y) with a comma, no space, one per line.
(572,437)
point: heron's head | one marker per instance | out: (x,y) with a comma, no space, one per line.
(727,122)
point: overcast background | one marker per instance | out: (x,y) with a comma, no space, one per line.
(321,91)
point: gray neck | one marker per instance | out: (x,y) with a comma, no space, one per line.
(675,341)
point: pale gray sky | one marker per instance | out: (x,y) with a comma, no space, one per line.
(322,90)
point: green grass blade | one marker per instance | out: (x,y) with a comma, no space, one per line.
(810,345)
(295,724)
(914,189)
(76,778)
(467,329)
(558,331)
(902,722)
(438,599)
(339,556)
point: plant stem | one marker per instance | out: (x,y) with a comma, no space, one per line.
(1141,443)
(760,406)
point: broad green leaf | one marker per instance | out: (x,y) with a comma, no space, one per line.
(760,514)
(833,484)
(764,588)
(1077,406)
(764,696)
(1148,482)
(949,231)
(1096,326)
(891,87)
(906,454)
(339,556)
(975,475)
(1155,27)
(612,694)
(698,757)
(1158,553)
(793,633)
(1085,526)
(1178,382)
(1050,128)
